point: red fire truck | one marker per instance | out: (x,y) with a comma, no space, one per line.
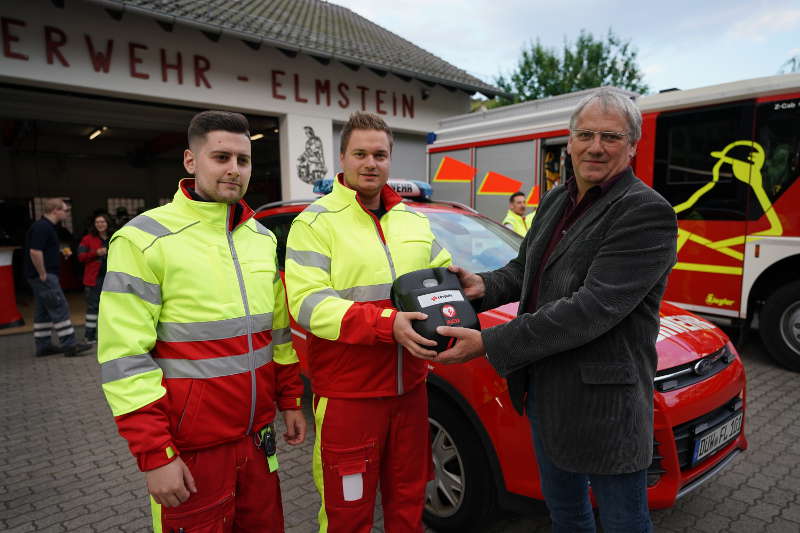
(727,157)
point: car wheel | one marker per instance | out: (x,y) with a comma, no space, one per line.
(461,495)
(779,325)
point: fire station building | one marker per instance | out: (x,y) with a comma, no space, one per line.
(95,97)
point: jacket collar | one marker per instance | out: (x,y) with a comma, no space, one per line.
(215,213)
(389,198)
(616,189)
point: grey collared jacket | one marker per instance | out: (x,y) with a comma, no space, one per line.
(588,352)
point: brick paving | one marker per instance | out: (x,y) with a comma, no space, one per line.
(64,468)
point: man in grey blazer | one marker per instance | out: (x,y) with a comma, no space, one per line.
(581,355)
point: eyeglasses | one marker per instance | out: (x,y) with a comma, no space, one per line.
(606,137)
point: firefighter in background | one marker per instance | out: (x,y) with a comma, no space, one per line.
(529,217)
(515,218)
(195,345)
(552,168)
(367,365)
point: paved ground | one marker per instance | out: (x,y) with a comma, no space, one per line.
(64,468)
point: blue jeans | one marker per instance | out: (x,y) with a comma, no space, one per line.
(621,498)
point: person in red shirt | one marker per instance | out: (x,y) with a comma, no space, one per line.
(92,253)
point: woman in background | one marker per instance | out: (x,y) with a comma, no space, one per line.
(92,253)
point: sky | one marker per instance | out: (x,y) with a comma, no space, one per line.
(680,43)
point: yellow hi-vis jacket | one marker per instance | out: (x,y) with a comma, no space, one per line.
(340,264)
(515,222)
(195,345)
(529,217)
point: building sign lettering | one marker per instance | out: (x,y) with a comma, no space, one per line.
(170,66)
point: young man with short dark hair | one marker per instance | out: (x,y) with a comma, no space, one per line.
(195,344)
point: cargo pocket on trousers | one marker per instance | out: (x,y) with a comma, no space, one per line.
(216,517)
(349,474)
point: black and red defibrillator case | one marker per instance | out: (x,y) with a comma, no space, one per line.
(437,293)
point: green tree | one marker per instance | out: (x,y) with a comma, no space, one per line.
(792,65)
(587,63)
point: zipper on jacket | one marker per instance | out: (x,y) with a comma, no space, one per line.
(250,354)
(392,271)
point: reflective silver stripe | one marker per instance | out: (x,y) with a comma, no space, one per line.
(62,324)
(64,332)
(215,367)
(149,225)
(435,249)
(262,229)
(42,325)
(282,335)
(125,367)
(309,303)
(91,317)
(309,258)
(250,353)
(316,208)
(367,293)
(214,330)
(128,284)
(400,388)
(42,333)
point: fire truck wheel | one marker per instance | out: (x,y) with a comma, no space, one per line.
(779,325)
(461,495)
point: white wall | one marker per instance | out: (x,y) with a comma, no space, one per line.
(228,74)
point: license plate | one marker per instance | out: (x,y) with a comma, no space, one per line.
(716,438)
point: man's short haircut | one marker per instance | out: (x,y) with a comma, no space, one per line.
(518,193)
(213,120)
(364,121)
(51,204)
(611,98)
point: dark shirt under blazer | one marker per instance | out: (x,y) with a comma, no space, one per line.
(588,353)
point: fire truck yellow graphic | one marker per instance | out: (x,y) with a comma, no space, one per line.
(749,172)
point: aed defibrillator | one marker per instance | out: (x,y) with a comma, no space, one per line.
(437,293)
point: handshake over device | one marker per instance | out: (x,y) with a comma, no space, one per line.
(437,293)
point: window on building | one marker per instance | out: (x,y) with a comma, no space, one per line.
(124,209)
(37,210)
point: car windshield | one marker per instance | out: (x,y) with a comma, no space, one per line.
(475,243)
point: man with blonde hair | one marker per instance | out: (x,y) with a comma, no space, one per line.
(42,266)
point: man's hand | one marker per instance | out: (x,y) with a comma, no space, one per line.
(472,284)
(469,345)
(412,341)
(171,484)
(295,426)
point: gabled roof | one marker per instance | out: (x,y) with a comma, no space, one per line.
(320,29)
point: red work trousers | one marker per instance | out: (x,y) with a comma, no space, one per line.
(366,441)
(236,492)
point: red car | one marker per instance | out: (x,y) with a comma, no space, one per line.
(482,449)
